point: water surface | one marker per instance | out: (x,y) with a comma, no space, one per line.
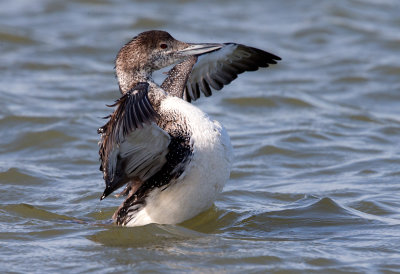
(315,183)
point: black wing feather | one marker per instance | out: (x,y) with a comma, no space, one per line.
(221,67)
(127,117)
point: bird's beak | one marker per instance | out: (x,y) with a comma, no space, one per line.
(199,49)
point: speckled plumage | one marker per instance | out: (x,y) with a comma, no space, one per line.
(173,158)
(175,83)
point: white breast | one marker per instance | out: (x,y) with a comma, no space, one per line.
(204,177)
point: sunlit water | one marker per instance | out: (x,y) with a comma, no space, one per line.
(315,186)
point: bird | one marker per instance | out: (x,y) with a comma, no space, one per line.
(172,158)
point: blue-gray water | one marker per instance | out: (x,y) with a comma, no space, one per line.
(315,186)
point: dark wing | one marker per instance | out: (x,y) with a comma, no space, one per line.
(131,145)
(219,68)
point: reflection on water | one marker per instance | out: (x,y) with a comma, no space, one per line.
(315,183)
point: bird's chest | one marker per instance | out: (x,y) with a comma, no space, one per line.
(209,141)
(203,175)
(182,119)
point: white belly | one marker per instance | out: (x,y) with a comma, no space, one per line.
(204,177)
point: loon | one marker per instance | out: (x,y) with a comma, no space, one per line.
(173,159)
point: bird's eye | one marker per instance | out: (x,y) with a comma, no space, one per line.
(163,46)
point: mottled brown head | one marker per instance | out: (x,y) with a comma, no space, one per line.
(150,51)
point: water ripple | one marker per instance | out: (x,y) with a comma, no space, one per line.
(315,179)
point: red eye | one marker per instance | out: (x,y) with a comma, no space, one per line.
(163,46)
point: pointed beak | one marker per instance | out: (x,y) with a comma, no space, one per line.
(199,49)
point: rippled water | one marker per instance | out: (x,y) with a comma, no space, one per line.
(316,182)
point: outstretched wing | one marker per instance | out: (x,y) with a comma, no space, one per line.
(219,68)
(132,145)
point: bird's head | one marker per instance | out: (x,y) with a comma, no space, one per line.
(153,50)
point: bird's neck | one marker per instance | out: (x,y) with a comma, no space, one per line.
(177,78)
(128,78)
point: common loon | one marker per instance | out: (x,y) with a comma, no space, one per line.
(173,159)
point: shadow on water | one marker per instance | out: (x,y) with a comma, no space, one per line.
(44,224)
(205,225)
(148,235)
(304,219)
(315,220)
